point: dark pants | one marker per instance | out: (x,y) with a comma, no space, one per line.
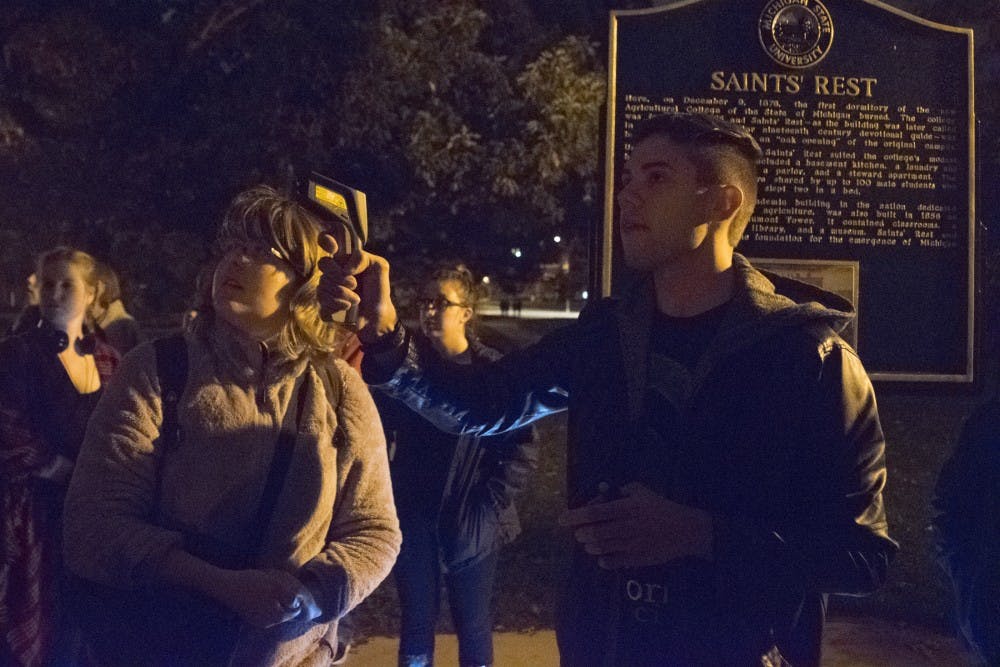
(418,578)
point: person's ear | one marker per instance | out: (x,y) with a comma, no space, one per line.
(725,200)
(466,314)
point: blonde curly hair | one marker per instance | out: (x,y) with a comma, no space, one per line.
(262,214)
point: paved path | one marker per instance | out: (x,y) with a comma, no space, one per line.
(848,643)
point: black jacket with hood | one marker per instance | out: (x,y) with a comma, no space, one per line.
(463,483)
(781,443)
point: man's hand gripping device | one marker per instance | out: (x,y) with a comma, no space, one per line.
(343,210)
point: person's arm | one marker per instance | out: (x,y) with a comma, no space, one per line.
(483,399)
(967,499)
(517,459)
(23,451)
(831,539)
(498,397)
(959,491)
(364,538)
(108,533)
(834,539)
(263,598)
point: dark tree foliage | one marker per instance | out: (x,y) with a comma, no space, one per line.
(125,127)
(482,153)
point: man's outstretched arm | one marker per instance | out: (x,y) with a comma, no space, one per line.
(484,400)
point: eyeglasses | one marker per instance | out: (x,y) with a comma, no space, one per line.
(438,303)
(255,251)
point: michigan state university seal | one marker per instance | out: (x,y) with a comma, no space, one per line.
(795,33)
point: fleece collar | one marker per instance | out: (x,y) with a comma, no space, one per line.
(229,346)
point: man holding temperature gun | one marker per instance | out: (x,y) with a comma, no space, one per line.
(725,456)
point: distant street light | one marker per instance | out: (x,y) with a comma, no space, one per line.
(557,239)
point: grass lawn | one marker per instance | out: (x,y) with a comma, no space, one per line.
(921,429)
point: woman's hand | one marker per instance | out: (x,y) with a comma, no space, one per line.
(265,598)
(262,598)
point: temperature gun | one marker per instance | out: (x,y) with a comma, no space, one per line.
(343,210)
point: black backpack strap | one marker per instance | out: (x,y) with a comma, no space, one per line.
(281,461)
(171,370)
(333,385)
(285,447)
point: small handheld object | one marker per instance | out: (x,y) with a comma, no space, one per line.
(343,210)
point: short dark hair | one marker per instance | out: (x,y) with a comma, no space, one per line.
(462,276)
(465,286)
(721,150)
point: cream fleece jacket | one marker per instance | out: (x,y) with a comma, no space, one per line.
(334,522)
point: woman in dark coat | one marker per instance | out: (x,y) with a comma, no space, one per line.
(454,494)
(51,374)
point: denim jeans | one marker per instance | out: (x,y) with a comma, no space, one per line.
(418,579)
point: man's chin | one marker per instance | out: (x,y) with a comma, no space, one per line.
(638,261)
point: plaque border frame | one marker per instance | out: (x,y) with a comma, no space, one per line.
(607,233)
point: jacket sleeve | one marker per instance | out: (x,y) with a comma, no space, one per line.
(481,399)
(834,537)
(517,459)
(967,499)
(22,450)
(107,532)
(364,538)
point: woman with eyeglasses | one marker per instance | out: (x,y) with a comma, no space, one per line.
(246,510)
(51,374)
(454,494)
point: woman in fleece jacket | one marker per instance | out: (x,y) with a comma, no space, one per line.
(223,559)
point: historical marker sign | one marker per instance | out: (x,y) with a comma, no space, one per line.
(866,117)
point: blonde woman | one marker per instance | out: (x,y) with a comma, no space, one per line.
(118,327)
(51,374)
(267,513)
